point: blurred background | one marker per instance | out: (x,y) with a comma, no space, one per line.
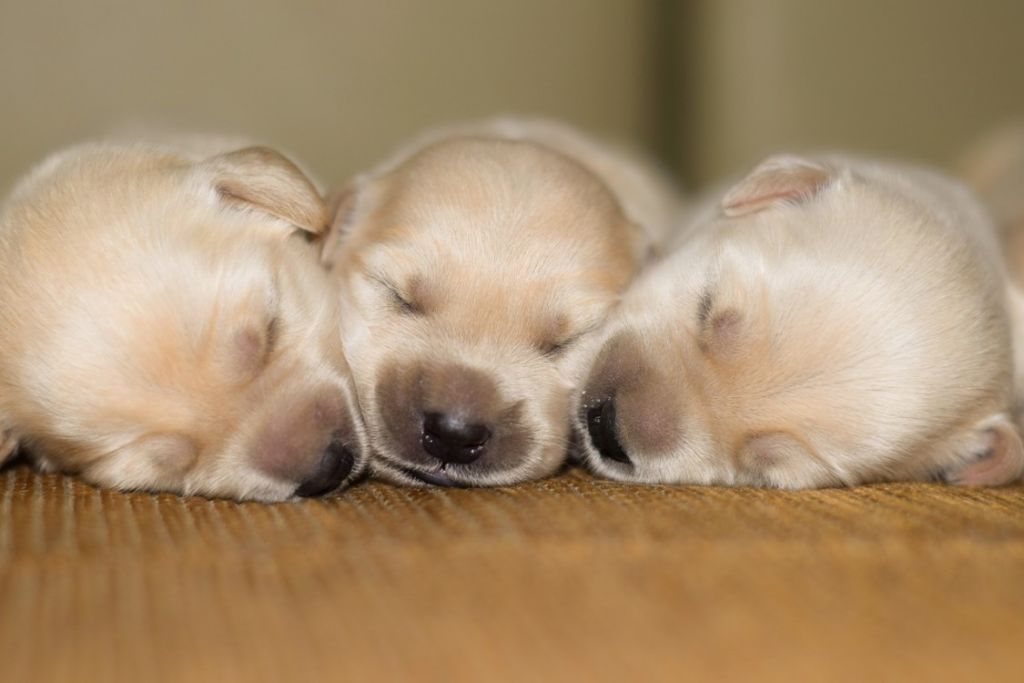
(709,86)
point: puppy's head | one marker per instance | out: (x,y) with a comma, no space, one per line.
(785,346)
(171,329)
(473,272)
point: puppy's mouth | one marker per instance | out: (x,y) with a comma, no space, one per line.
(437,477)
(409,475)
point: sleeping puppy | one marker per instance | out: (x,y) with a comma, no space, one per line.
(471,268)
(165,325)
(827,322)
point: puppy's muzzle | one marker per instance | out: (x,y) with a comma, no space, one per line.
(603,431)
(454,440)
(618,394)
(311,442)
(449,424)
(336,463)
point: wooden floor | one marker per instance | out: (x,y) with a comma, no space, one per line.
(568,579)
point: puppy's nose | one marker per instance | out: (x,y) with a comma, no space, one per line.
(335,464)
(603,432)
(453,440)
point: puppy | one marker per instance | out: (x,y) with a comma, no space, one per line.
(827,322)
(472,267)
(165,325)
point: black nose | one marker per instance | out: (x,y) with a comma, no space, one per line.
(452,440)
(335,464)
(603,432)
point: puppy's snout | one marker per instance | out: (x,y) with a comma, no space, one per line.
(454,440)
(335,465)
(311,442)
(632,411)
(603,432)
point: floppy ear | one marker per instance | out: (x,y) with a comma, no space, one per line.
(778,179)
(260,179)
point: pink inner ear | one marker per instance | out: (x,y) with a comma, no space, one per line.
(1000,464)
(774,181)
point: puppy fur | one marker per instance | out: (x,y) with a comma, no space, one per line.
(826,322)
(472,267)
(165,325)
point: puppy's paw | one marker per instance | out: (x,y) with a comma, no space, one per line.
(996,457)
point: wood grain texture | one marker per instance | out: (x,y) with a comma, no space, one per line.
(566,579)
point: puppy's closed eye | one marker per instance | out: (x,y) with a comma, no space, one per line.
(401,302)
(557,344)
(555,348)
(720,324)
(252,347)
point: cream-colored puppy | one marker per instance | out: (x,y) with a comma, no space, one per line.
(165,325)
(471,268)
(827,322)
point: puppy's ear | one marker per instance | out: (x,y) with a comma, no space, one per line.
(260,179)
(341,207)
(778,179)
(996,458)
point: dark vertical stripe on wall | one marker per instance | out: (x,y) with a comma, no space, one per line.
(675,55)
(667,19)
